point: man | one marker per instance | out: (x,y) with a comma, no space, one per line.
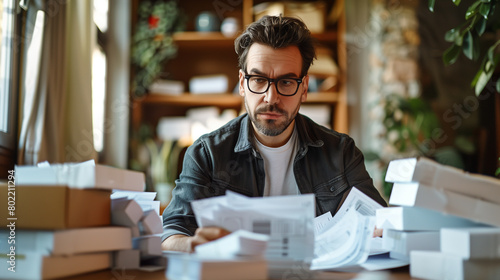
(270,150)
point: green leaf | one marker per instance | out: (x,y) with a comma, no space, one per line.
(484,78)
(480,27)
(451,35)
(491,50)
(472,10)
(456,2)
(484,9)
(450,56)
(498,85)
(468,46)
(431,5)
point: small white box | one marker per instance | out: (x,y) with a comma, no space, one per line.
(125,212)
(127,259)
(401,243)
(151,223)
(149,245)
(438,265)
(472,243)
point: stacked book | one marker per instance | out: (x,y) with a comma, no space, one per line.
(60,224)
(433,202)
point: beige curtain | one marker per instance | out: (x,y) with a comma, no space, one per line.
(56,85)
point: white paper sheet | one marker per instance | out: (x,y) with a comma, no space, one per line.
(288,220)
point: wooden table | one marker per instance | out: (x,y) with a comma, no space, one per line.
(393,274)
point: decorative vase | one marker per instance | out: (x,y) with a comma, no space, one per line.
(207,22)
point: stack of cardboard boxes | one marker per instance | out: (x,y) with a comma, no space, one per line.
(439,209)
(61,221)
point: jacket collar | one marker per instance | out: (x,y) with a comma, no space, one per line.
(303,124)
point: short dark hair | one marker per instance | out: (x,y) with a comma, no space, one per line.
(277,32)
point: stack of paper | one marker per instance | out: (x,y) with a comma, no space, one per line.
(288,220)
(60,224)
(435,200)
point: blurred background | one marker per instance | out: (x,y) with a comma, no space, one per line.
(132,83)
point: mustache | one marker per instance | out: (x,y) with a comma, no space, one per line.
(270,108)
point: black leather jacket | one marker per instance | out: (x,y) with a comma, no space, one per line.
(327,164)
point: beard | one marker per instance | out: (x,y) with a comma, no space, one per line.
(271,127)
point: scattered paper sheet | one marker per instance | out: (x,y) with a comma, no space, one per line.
(288,220)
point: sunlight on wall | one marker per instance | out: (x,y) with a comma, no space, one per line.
(98,96)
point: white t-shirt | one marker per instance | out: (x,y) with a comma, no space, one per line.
(278,165)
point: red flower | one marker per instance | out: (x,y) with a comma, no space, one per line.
(153,22)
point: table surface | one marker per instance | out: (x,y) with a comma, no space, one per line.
(401,273)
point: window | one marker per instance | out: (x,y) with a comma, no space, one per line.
(8,84)
(99,74)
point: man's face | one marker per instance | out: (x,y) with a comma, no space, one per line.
(271,113)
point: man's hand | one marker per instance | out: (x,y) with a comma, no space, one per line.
(377,232)
(185,243)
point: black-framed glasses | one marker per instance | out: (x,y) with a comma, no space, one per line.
(285,86)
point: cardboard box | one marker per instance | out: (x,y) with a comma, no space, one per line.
(85,175)
(438,265)
(472,243)
(416,218)
(69,242)
(39,266)
(433,174)
(420,195)
(57,207)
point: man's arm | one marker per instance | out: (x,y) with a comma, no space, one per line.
(184,243)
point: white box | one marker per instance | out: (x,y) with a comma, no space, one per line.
(472,243)
(416,218)
(149,245)
(127,259)
(125,212)
(401,243)
(433,174)
(415,194)
(151,223)
(438,266)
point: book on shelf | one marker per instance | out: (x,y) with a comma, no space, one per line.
(417,218)
(444,201)
(58,207)
(401,243)
(208,84)
(84,175)
(171,87)
(40,266)
(439,265)
(192,267)
(472,243)
(433,174)
(70,241)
